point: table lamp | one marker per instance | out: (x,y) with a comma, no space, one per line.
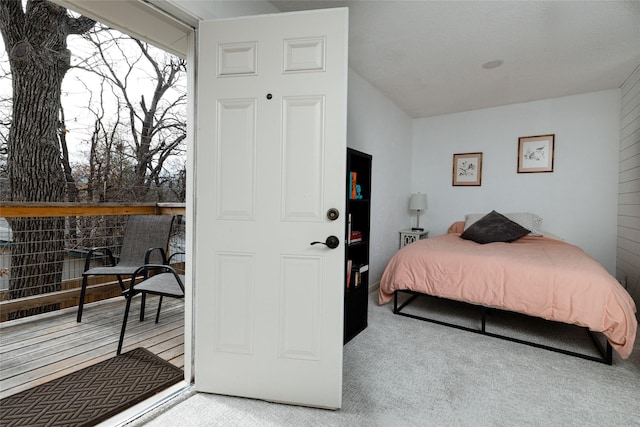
(418,202)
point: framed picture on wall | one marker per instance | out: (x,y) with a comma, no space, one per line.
(535,153)
(467,169)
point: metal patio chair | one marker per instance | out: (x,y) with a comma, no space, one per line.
(165,282)
(146,238)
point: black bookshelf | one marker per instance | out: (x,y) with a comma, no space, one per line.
(357,247)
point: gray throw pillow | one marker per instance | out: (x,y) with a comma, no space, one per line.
(494,227)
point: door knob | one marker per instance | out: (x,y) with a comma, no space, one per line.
(333,214)
(332,242)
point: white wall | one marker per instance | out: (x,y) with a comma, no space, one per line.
(578,201)
(628,266)
(378,127)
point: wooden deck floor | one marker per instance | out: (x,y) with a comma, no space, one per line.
(41,348)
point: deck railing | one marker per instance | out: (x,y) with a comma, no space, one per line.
(49,280)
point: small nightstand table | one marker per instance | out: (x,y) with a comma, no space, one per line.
(410,236)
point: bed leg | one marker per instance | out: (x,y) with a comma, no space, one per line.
(396,309)
(605,351)
(484,319)
(395,301)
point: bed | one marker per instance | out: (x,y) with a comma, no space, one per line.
(534,275)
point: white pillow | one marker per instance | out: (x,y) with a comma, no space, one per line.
(528,220)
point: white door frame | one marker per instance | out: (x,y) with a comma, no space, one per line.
(190,236)
(179,39)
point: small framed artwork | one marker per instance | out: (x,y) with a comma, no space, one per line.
(535,153)
(467,169)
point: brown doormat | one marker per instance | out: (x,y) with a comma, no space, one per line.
(93,394)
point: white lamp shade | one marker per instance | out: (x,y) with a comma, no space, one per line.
(418,202)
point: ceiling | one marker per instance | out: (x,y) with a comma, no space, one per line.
(427,56)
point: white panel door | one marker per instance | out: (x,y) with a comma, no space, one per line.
(270,163)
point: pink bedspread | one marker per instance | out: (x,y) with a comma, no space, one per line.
(534,275)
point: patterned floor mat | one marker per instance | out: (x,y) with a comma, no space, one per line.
(93,394)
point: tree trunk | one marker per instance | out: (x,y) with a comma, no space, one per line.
(71,187)
(39,59)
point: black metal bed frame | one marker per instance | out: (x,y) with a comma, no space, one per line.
(605,352)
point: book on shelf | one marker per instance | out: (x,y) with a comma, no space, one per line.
(349,270)
(357,279)
(362,267)
(355,236)
(357,271)
(353,181)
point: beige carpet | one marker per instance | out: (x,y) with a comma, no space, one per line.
(405,372)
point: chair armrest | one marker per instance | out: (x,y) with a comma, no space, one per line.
(147,255)
(174,254)
(87,261)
